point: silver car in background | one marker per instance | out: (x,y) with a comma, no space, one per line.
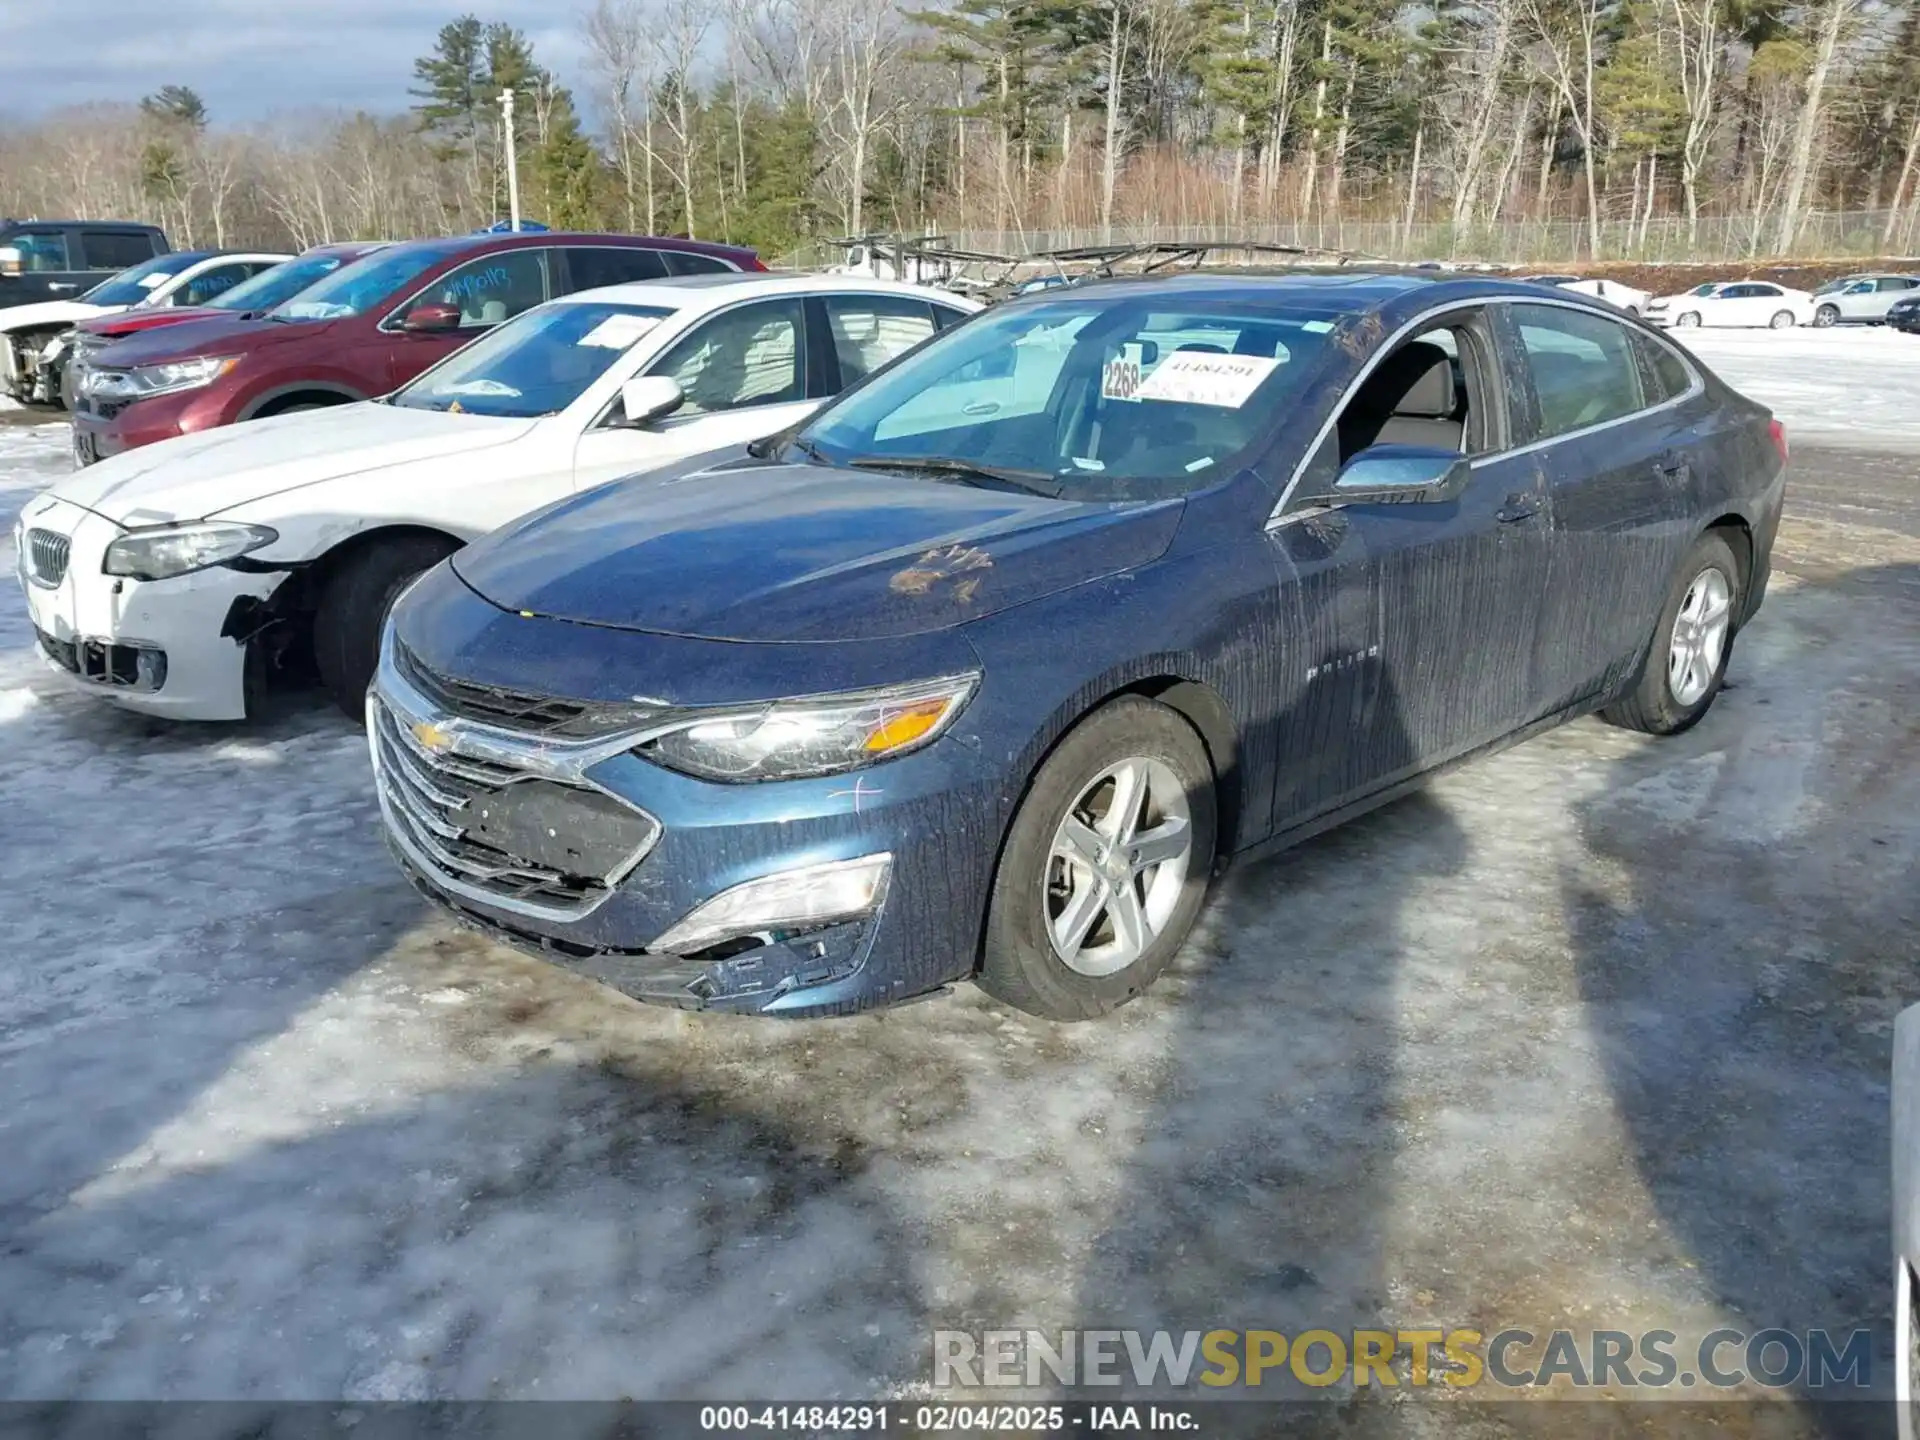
(1861,299)
(1906,1222)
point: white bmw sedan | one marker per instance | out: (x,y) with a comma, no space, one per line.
(181,578)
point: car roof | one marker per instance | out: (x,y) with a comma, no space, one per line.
(709,292)
(489,242)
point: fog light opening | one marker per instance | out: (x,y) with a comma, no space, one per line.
(779,906)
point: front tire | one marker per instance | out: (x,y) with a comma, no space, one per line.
(1105,867)
(1689,321)
(353,606)
(1686,660)
(1826,316)
(1782,320)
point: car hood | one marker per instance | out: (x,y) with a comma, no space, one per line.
(222,334)
(51,312)
(132,322)
(772,551)
(196,476)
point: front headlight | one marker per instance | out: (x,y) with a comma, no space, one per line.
(168,550)
(144,380)
(817,735)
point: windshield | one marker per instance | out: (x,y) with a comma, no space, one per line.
(1704,289)
(282,282)
(130,287)
(535,364)
(356,288)
(1093,398)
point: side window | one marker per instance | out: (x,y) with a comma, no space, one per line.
(869,330)
(490,289)
(114,249)
(212,282)
(683,262)
(1417,395)
(749,356)
(589,267)
(44,250)
(944,316)
(1763,291)
(1895,282)
(1666,373)
(1584,371)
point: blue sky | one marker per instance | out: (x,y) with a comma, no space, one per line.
(249,58)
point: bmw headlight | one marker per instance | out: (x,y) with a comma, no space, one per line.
(816,735)
(163,379)
(164,551)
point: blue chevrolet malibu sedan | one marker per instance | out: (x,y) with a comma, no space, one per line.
(990,667)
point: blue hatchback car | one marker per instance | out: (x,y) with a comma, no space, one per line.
(987,669)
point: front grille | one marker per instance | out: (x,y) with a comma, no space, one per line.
(509,834)
(47,555)
(519,710)
(106,662)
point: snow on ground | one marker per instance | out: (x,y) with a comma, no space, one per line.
(1591,1034)
(1854,385)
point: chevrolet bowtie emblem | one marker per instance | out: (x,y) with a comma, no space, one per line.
(431,736)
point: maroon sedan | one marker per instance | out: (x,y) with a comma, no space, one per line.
(359,332)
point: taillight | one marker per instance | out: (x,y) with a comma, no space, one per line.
(1777,433)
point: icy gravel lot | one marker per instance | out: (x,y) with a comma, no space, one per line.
(1593,1034)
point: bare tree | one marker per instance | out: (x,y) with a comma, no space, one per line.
(1566,52)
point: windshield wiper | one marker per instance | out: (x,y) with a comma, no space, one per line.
(1033,482)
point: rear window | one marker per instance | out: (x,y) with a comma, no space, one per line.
(114,249)
(590,267)
(681,262)
(1667,375)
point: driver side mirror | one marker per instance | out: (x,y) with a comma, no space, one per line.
(646,398)
(12,262)
(1400,475)
(431,319)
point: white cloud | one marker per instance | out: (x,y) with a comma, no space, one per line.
(249,58)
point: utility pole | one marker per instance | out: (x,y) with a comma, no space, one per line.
(513,167)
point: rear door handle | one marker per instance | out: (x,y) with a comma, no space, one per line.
(1672,466)
(62,287)
(1520,506)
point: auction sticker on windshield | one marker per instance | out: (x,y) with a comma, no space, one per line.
(1199,377)
(617,332)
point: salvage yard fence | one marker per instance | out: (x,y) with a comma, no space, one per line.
(1832,234)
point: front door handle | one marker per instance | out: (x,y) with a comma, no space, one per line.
(62,287)
(1521,506)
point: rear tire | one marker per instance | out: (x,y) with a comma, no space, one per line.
(1686,660)
(353,606)
(1078,851)
(1825,316)
(1782,320)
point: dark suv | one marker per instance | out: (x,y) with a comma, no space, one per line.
(59,259)
(360,332)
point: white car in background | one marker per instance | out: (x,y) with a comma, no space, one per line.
(1906,1222)
(33,336)
(1625,297)
(1861,299)
(1744,304)
(175,578)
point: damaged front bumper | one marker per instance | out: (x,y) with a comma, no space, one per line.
(803,897)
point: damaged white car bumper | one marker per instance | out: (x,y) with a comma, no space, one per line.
(153,646)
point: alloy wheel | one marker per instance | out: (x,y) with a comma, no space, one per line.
(1116,866)
(1689,320)
(1825,316)
(1699,635)
(1782,320)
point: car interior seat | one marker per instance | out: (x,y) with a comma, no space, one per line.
(1411,399)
